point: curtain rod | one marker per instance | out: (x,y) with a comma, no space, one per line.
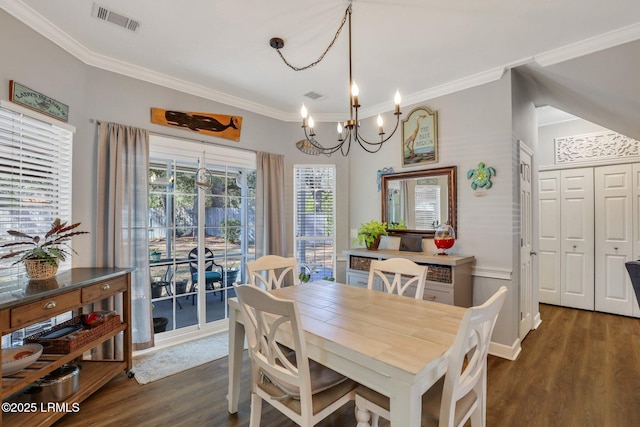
(97,121)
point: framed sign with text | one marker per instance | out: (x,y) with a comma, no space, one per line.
(37,101)
(420,137)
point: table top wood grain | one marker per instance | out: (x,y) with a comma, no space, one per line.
(403,332)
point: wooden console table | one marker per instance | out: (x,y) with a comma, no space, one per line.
(448,276)
(24,302)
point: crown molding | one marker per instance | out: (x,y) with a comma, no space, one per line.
(38,23)
(19,10)
(590,45)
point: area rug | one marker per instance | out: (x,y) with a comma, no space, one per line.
(152,366)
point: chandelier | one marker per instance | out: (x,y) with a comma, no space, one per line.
(348,130)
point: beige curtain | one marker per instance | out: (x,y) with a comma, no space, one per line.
(270,214)
(408,193)
(123,163)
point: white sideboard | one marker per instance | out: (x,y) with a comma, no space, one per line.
(448,276)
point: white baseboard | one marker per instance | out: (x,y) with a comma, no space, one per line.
(537,321)
(504,351)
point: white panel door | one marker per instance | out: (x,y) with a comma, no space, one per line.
(549,237)
(614,239)
(526,243)
(577,246)
(636,223)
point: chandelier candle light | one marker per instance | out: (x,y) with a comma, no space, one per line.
(347,131)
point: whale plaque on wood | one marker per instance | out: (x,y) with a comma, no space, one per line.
(219,125)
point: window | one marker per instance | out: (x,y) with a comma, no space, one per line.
(35,188)
(35,175)
(314,219)
(427,206)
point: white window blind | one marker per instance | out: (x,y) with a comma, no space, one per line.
(314,219)
(35,178)
(427,200)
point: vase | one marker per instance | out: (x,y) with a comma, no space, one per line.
(444,238)
(39,269)
(373,246)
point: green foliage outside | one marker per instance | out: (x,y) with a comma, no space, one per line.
(231,230)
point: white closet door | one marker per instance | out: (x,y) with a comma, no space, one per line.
(577,246)
(549,276)
(614,239)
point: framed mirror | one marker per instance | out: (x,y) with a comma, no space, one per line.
(419,200)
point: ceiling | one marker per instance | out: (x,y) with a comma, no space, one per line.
(219,49)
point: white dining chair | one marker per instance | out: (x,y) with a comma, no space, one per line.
(302,389)
(271,271)
(415,275)
(461,394)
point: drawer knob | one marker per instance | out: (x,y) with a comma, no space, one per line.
(106,287)
(50,305)
(430,297)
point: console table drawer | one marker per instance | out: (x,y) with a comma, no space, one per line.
(443,296)
(104,289)
(44,309)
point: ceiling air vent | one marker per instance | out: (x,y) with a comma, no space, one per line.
(115,18)
(314,95)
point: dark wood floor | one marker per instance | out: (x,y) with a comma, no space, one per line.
(578,368)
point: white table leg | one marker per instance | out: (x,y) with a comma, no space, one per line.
(236,348)
(406,407)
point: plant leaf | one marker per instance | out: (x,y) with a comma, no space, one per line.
(19,234)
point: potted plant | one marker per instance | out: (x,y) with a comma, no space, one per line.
(43,253)
(398,225)
(155,255)
(369,234)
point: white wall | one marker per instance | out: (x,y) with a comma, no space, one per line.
(474,125)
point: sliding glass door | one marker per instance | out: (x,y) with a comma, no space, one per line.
(201,233)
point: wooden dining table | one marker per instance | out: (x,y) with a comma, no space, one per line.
(393,344)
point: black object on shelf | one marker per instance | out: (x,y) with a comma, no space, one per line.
(633,267)
(59,333)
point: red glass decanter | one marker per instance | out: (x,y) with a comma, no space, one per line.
(444,238)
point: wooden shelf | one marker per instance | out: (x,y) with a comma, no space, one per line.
(47,363)
(92,376)
(76,289)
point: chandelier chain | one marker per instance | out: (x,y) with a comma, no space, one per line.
(317,61)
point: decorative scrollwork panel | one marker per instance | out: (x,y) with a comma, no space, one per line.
(595,146)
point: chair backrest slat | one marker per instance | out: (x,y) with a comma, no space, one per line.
(406,274)
(271,271)
(471,344)
(266,316)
